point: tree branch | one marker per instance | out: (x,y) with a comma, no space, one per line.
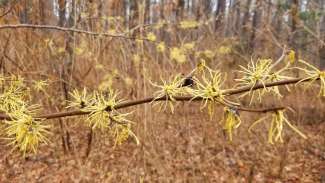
(180,98)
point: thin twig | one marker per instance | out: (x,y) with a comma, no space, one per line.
(89,142)
(284,52)
(65,29)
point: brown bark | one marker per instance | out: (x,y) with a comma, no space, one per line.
(147,11)
(62,11)
(23,13)
(46,12)
(246,17)
(180,5)
(255,23)
(321,50)
(221,8)
(237,17)
(134,13)
(277,19)
(245,24)
(207,4)
(294,12)
(116,7)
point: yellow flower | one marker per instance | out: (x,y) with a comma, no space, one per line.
(99,66)
(105,85)
(26,133)
(161,47)
(61,50)
(136,60)
(79,99)
(159,25)
(313,74)
(151,36)
(78,50)
(188,24)
(99,110)
(139,41)
(40,85)
(128,81)
(111,31)
(277,125)
(209,54)
(169,89)
(201,66)
(115,72)
(223,50)
(189,46)
(178,55)
(231,120)
(84,15)
(121,132)
(292,56)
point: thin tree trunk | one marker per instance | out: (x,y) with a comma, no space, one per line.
(24,18)
(293,35)
(220,13)
(294,22)
(245,28)
(207,4)
(147,11)
(321,50)
(180,10)
(237,17)
(278,20)
(134,13)
(62,11)
(255,23)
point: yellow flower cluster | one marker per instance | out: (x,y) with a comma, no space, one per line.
(189,24)
(161,47)
(231,120)
(276,127)
(151,37)
(24,131)
(292,56)
(178,55)
(223,50)
(102,114)
(189,46)
(169,90)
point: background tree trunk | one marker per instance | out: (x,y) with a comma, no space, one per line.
(255,23)
(220,13)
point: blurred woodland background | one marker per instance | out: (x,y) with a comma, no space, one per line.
(61,45)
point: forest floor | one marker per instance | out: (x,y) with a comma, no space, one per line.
(184,147)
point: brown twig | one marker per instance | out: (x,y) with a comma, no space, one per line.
(63,139)
(64,29)
(89,142)
(284,157)
(2,64)
(180,98)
